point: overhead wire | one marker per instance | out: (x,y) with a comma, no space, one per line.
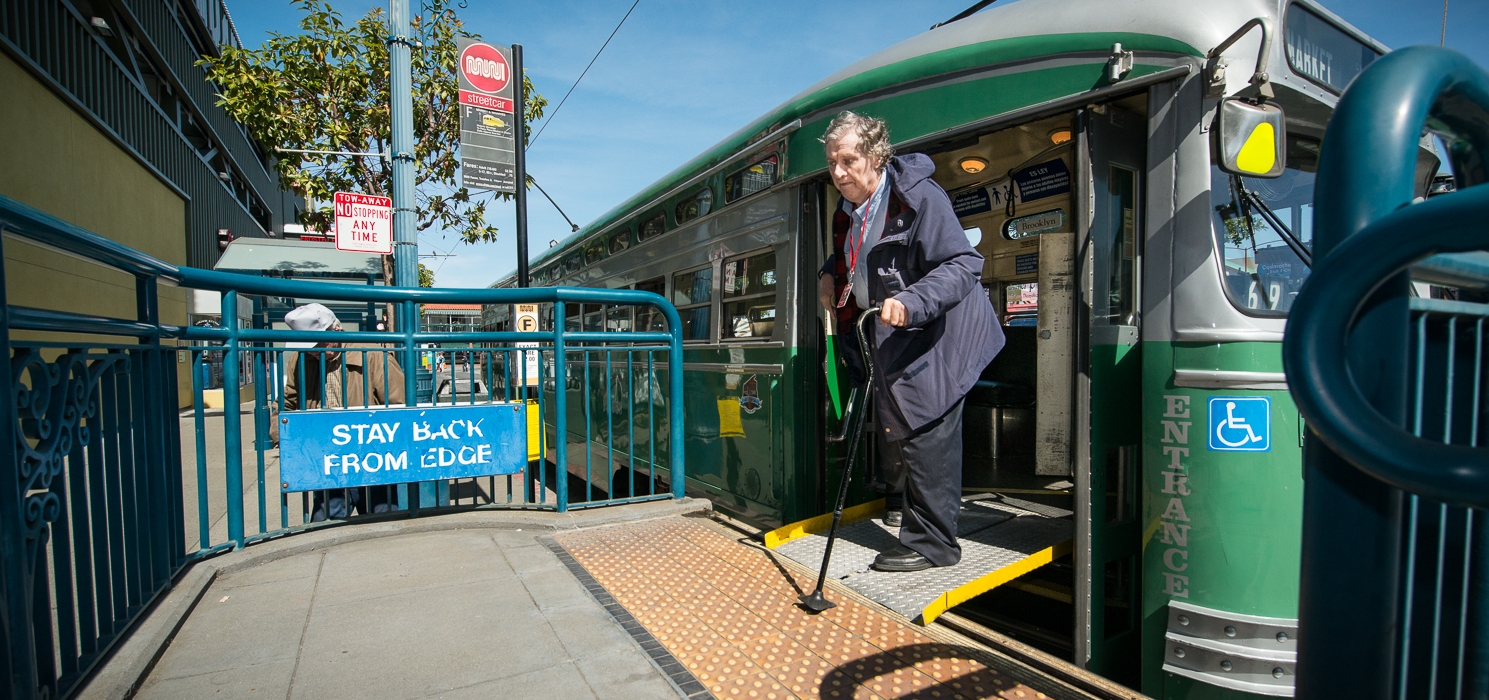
(561,102)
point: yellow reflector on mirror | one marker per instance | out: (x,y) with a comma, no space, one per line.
(1259,153)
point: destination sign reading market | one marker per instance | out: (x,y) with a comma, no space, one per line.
(341,448)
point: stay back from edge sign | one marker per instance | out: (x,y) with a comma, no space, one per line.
(332,449)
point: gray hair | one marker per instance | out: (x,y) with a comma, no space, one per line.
(873,134)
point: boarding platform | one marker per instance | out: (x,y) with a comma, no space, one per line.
(1002,538)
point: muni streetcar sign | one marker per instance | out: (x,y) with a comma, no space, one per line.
(488,145)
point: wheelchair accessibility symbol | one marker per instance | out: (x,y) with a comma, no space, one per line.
(1240,423)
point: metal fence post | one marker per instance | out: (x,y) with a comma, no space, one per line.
(677,438)
(18,642)
(560,407)
(232,423)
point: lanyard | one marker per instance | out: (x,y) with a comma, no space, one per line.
(855,250)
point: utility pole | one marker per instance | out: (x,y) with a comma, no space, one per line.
(519,118)
(401,94)
(405,237)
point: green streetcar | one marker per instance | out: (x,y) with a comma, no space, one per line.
(1095,151)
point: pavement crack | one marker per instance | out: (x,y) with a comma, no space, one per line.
(305,629)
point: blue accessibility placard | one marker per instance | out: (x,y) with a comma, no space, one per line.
(346,448)
(1240,423)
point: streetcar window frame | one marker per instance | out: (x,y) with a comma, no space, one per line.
(690,319)
(745,298)
(595,251)
(701,203)
(655,320)
(642,235)
(730,180)
(621,237)
(577,260)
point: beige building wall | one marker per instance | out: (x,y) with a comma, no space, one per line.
(56,161)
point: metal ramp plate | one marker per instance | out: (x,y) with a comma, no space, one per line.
(1002,538)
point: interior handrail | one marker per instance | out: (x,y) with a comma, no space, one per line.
(1363,198)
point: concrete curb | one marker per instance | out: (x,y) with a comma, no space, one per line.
(120,674)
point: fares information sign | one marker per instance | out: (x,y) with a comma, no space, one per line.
(487,139)
(364,223)
(345,448)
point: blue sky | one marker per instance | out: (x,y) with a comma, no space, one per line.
(680,76)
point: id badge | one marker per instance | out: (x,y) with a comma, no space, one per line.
(847,290)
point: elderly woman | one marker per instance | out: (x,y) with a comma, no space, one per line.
(898,245)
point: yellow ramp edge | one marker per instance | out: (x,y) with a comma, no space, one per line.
(819,524)
(976,587)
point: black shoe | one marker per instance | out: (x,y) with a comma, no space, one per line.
(893,518)
(901,558)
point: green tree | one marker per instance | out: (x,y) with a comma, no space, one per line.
(326,89)
(426,276)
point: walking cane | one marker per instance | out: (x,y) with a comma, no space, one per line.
(853,422)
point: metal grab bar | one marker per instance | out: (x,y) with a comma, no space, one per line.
(1387,576)
(1363,190)
(1317,341)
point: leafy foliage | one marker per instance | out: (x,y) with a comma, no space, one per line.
(426,276)
(327,87)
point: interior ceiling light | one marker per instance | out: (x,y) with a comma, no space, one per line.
(1059,136)
(972,165)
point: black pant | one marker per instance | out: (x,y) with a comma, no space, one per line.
(929,463)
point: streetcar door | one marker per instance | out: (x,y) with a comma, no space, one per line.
(1108,547)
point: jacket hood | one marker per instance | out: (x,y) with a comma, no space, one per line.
(909,172)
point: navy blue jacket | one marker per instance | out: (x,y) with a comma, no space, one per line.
(923,260)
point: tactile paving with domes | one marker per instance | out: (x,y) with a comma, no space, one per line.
(727,613)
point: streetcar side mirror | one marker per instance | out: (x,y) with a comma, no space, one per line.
(1250,139)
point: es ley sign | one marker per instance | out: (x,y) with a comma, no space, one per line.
(364,223)
(347,448)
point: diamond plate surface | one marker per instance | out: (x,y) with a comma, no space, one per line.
(993,533)
(728,614)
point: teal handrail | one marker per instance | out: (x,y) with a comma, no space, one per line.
(1368,479)
(1366,233)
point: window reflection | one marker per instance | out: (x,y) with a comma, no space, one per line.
(1262,273)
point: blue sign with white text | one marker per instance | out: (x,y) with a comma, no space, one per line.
(346,448)
(1240,423)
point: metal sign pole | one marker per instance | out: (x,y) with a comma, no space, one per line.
(405,237)
(519,117)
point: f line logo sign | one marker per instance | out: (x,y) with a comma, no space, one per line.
(1240,424)
(364,223)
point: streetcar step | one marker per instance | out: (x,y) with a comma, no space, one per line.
(1002,538)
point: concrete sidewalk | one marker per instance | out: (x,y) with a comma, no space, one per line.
(461,606)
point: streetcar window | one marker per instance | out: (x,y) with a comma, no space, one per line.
(744,182)
(1262,272)
(571,318)
(649,318)
(1021,304)
(692,293)
(573,263)
(1322,52)
(651,228)
(620,240)
(594,252)
(749,296)
(594,315)
(618,319)
(698,205)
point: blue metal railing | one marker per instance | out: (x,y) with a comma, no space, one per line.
(97,523)
(1393,599)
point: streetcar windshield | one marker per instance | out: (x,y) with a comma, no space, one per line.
(1264,229)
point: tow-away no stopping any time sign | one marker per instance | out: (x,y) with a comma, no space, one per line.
(364,223)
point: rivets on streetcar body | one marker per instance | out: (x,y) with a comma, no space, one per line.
(1179,652)
(1277,672)
(1230,631)
(1184,620)
(1225,664)
(1281,637)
